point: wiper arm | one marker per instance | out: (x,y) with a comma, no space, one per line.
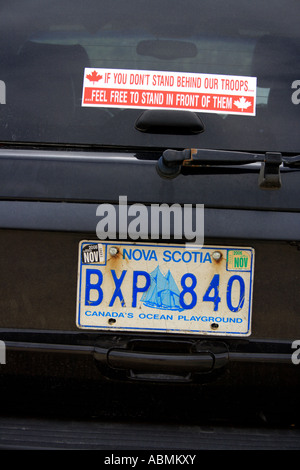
(171,162)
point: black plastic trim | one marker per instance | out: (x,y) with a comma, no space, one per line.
(102,348)
(220,223)
(94,177)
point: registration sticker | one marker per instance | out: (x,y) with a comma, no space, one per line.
(165,288)
(210,93)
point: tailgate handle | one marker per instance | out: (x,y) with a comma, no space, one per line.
(160,362)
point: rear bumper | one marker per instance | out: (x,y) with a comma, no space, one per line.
(60,390)
(153,439)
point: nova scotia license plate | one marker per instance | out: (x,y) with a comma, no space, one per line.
(136,287)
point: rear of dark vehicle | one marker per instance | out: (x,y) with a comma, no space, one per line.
(86,305)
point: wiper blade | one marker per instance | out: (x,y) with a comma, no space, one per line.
(172,161)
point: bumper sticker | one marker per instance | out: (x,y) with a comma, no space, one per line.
(143,89)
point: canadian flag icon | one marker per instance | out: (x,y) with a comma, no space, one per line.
(94,77)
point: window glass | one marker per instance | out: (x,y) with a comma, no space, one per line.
(196,56)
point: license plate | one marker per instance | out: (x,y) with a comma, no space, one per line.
(136,287)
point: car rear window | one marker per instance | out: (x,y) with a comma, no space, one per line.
(85,73)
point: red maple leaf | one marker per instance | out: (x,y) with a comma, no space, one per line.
(94,77)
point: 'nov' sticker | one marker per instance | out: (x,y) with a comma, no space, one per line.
(144,89)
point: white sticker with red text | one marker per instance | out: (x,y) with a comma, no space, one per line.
(144,89)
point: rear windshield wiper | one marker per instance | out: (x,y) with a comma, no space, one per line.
(172,161)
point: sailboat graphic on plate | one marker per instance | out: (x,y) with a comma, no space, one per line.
(163,292)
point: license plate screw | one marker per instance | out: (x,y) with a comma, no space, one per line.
(217,255)
(113,250)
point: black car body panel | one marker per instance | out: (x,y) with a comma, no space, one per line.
(39,257)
